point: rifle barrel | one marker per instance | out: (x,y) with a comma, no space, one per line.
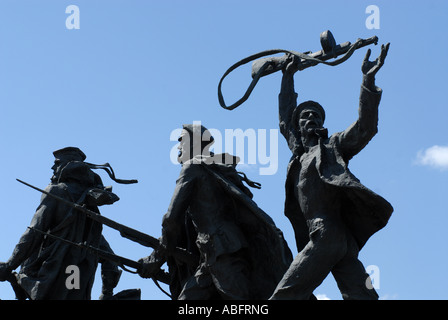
(127,232)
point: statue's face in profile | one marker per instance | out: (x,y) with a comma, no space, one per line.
(57,167)
(310,119)
(184,147)
(193,144)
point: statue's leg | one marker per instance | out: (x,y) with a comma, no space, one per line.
(230,276)
(351,277)
(311,266)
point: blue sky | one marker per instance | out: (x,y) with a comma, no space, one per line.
(136,71)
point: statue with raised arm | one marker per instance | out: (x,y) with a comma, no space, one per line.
(332,213)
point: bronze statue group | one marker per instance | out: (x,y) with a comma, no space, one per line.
(216,242)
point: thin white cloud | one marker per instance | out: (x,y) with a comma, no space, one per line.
(322,297)
(435,156)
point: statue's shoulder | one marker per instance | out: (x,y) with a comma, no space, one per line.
(55,188)
(58,189)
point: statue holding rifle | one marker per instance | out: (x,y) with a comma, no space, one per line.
(332,213)
(242,254)
(44,260)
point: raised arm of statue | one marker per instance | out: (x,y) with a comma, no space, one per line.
(287,101)
(356,137)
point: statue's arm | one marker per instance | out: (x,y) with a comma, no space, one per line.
(173,220)
(358,135)
(110,274)
(30,240)
(287,101)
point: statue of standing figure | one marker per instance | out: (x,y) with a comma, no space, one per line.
(45,261)
(332,213)
(212,215)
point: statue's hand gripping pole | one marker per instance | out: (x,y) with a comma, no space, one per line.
(265,66)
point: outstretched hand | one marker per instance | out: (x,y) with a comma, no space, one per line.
(370,68)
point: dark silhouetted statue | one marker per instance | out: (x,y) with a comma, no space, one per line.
(242,255)
(47,263)
(332,213)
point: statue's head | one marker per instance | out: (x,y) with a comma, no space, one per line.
(63,157)
(194,140)
(308,116)
(69,165)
